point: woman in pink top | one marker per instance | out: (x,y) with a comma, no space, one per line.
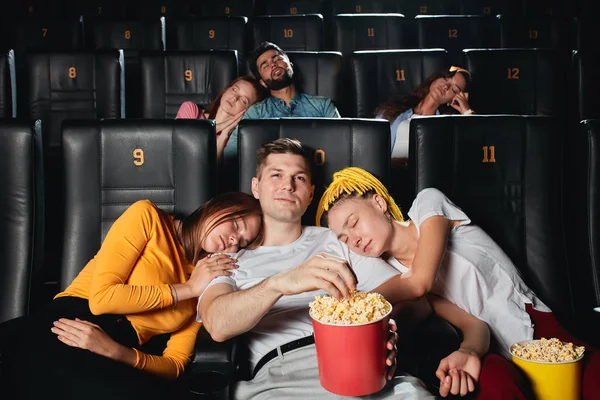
(227,109)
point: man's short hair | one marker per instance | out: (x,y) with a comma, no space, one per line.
(281,146)
(257,52)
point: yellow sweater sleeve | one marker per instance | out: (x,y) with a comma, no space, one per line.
(176,354)
(118,255)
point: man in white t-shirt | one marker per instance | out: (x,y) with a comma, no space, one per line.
(267,296)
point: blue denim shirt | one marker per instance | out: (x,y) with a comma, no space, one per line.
(394,125)
(302,105)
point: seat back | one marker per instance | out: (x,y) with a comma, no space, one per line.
(361,6)
(535,32)
(517,81)
(333,144)
(318,73)
(131,37)
(586,33)
(586,66)
(503,171)
(22,215)
(45,34)
(290,32)
(354,32)
(205,33)
(97,9)
(227,8)
(59,86)
(152,9)
(486,7)
(457,32)
(379,75)
(292,7)
(583,219)
(110,165)
(170,78)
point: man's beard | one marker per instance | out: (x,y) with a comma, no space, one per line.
(285,81)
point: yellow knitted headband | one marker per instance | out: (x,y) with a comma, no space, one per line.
(355,181)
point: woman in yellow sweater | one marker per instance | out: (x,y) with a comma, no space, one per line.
(143,283)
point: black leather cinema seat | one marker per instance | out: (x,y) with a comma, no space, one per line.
(111,164)
(131,37)
(57,87)
(535,32)
(21,215)
(379,75)
(292,7)
(584,226)
(586,32)
(485,7)
(319,73)
(586,71)
(97,9)
(205,33)
(517,81)
(362,6)
(150,9)
(6,95)
(44,34)
(332,143)
(457,32)
(504,172)
(170,78)
(354,32)
(226,8)
(290,32)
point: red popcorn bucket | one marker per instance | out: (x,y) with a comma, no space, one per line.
(351,357)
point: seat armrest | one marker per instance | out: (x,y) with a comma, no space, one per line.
(210,355)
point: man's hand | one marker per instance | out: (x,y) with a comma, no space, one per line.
(89,336)
(393,351)
(323,271)
(459,372)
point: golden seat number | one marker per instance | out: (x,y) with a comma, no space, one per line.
(138,157)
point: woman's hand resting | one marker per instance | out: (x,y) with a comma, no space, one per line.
(207,269)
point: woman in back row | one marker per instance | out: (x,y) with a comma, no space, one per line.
(449,88)
(227,109)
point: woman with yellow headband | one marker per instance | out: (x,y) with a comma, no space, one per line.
(439,251)
(448,88)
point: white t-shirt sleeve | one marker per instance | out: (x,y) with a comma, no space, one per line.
(220,279)
(431,202)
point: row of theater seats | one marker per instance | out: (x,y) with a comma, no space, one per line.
(502,170)
(347,33)
(251,8)
(57,86)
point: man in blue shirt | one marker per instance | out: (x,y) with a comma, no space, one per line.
(272,67)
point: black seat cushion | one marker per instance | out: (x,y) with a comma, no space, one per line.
(354,32)
(586,65)
(227,8)
(293,7)
(6,95)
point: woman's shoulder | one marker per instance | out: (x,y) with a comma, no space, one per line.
(144,207)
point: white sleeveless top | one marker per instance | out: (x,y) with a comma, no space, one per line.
(477,275)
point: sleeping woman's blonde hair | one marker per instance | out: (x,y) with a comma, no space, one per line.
(355,182)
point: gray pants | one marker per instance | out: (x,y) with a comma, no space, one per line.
(295,375)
